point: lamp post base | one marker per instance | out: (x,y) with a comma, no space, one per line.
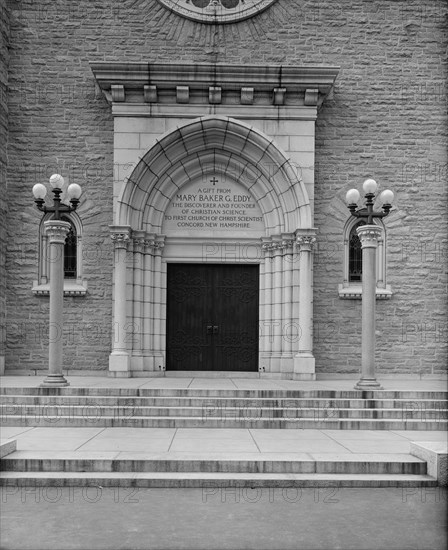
(368,384)
(54,381)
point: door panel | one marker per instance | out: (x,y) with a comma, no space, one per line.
(212,317)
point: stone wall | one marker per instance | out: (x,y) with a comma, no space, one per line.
(4,62)
(386,119)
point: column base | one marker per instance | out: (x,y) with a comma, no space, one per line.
(120,365)
(54,381)
(148,363)
(137,363)
(304,367)
(368,384)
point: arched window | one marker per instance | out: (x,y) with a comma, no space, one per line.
(355,255)
(351,288)
(74,285)
(70,252)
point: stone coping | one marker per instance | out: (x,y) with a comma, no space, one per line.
(435,454)
(7,447)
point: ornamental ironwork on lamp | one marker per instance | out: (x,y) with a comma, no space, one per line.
(368,213)
(57,181)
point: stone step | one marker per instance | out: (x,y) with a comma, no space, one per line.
(101,400)
(123,419)
(210,482)
(51,412)
(237,393)
(30,461)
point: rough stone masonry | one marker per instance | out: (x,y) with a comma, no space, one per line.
(387,119)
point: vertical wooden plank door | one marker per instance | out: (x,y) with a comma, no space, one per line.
(212,317)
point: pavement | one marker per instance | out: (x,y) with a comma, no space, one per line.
(116,518)
(134,443)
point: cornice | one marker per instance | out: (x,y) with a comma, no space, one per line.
(214,84)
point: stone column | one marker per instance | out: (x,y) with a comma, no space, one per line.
(266,320)
(119,362)
(137,345)
(277,287)
(56,231)
(148,301)
(157,305)
(368,235)
(304,362)
(287,296)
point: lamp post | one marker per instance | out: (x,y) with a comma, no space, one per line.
(368,235)
(56,230)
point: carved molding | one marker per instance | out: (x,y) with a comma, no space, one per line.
(118,93)
(277,245)
(208,83)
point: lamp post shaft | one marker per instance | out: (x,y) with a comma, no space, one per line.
(368,235)
(57,231)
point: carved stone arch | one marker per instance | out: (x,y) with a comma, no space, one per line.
(182,153)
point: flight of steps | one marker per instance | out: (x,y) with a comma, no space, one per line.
(196,408)
(212,472)
(207,408)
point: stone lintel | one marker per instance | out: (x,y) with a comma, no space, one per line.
(196,110)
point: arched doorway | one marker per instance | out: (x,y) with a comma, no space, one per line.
(219,192)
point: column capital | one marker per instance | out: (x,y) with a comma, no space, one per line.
(287,243)
(305,243)
(120,235)
(139,240)
(56,230)
(159,243)
(266,245)
(369,235)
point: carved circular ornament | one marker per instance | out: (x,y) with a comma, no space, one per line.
(217,11)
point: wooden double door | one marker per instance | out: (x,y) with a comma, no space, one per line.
(212,317)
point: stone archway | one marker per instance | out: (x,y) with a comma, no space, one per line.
(218,147)
(221,144)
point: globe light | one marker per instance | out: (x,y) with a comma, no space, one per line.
(370,186)
(387,196)
(74,191)
(39,191)
(352,196)
(56,181)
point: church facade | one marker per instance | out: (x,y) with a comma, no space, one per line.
(215,143)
